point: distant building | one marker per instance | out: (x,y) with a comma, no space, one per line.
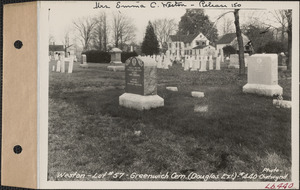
(56,49)
(229,39)
(192,44)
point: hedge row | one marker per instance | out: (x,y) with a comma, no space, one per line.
(95,56)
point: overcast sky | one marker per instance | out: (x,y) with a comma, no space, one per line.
(63,13)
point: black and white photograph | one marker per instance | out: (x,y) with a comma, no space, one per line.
(171,91)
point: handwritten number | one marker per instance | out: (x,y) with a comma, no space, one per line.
(291,185)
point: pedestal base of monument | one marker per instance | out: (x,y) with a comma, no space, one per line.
(261,89)
(116,68)
(116,62)
(84,65)
(139,102)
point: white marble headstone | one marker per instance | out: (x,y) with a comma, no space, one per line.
(263,75)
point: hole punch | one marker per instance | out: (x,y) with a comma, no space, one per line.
(17,149)
(18,44)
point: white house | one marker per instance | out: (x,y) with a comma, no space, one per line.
(193,44)
(229,39)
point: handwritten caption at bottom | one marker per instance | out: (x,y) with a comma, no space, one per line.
(266,174)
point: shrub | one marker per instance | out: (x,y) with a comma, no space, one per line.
(272,47)
(96,56)
(229,50)
(126,55)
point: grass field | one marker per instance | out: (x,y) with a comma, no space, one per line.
(90,133)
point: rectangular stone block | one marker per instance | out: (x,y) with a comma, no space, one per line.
(197,94)
(140,102)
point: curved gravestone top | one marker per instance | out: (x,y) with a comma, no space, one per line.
(142,61)
(115,50)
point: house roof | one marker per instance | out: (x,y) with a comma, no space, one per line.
(56,48)
(227,38)
(183,38)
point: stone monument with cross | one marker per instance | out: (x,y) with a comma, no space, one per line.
(140,84)
(263,75)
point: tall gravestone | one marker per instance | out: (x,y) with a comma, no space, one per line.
(263,75)
(203,61)
(62,63)
(210,63)
(71,63)
(140,84)
(83,61)
(218,63)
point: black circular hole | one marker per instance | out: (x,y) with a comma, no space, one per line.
(18,44)
(17,149)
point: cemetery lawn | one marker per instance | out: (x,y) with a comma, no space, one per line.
(90,133)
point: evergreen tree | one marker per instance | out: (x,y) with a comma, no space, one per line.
(195,21)
(150,44)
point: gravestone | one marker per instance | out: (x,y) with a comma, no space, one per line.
(116,63)
(159,61)
(71,63)
(58,66)
(234,60)
(115,56)
(184,61)
(203,61)
(83,61)
(282,61)
(187,63)
(218,63)
(191,61)
(62,63)
(263,75)
(211,63)
(167,60)
(195,65)
(140,84)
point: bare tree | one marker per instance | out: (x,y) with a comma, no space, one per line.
(85,26)
(163,28)
(123,30)
(284,19)
(66,41)
(280,18)
(100,35)
(227,25)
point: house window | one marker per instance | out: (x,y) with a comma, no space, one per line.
(197,43)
